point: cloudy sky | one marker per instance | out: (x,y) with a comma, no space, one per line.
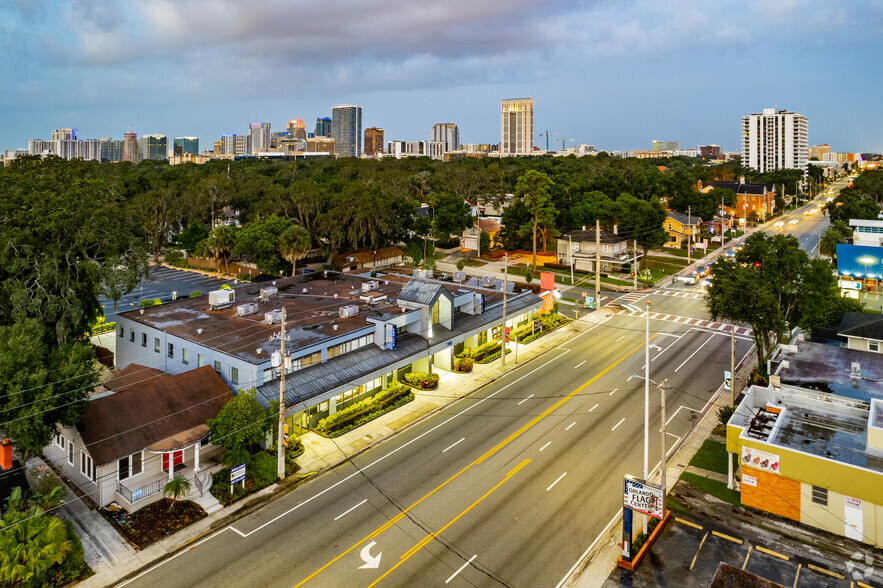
(613,73)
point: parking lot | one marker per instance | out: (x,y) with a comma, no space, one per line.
(688,554)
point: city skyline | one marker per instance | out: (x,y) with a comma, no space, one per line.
(612,76)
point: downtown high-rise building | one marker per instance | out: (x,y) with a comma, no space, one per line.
(346,130)
(447,133)
(516,126)
(774,139)
(153,147)
(296,129)
(111,149)
(373,141)
(186,145)
(260,137)
(130,148)
(323,126)
(666,145)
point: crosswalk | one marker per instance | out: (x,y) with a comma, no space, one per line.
(679,294)
(691,321)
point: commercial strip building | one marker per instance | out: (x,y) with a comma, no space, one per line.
(346,336)
(774,139)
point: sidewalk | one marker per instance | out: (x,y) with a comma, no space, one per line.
(322,453)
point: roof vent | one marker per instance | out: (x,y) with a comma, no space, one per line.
(304,291)
(335,326)
(259,350)
(856,370)
(199,331)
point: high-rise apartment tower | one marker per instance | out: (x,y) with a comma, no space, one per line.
(774,139)
(516,126)
(447,133)
(373,141)
(346,130)
(323,126)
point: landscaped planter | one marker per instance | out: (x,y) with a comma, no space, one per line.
(645,548)
(364,411)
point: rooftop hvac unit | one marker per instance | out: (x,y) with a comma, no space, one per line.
(221,298)
(349,310)
(247,309)
(268,291)
(372,299)
(856,370)
(428,273)
(273,317)
(460,277)
(489,281)
(370,285)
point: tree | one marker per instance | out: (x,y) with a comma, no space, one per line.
(294,244)
(176,488)
(643,221)
(414,250)
(829,240)
(242,423)
(451,215)
(33,545)
(221,243)
(484,241)
(41,383)
(259,240)
(191,236)
(533,187)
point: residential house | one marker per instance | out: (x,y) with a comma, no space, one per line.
(681,228)
(144,428)
(863,332)
(578,248)
(469,240)
(369,259)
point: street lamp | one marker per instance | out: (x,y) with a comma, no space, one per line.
(661,387)
(865,260)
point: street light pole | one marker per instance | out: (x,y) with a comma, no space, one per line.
(280,448)
(646,401)
(505,289)
(662,463)
(570,255)
(732,365)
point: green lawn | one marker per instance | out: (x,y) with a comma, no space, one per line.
(472,262)
(712,456)
(713,487)
(615,281)
(680,261)
(669,268)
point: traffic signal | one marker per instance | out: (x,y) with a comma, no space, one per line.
(756,264)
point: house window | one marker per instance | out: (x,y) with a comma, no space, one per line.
(171,350)
(820,495)
(156,344)
(234,375)
(200,360)
(60,440)
(605,248)
(129,466)
(873,346)
(70,452)
(185,356)
(669,226)
(218,366)
(268,375)
(143,339)
(87,468)
(132,335)
(122,332)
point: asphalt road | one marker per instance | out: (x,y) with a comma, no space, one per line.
(507,487)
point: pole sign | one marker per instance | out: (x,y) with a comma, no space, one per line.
(643,497)
(728,381)
(590,302)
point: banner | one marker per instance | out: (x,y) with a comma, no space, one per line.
(760,460)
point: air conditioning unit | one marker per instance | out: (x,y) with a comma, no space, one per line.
(273,317)
(349,310)
(372,299)
(370,285)
(221,298)
(856,370)
(247,309)
(268,291)
(459,277)
(489,281)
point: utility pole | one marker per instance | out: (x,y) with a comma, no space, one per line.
(597,265)
(723,233)
(689,233)
(732,365)
(662,463)
(635,264)
(570,255)
(646,401)
(505,289)
(280,447)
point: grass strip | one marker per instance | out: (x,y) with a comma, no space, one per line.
(712,456)
(713,487)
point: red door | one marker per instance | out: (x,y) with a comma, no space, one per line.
(177,457)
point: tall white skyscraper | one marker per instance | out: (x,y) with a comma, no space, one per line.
(516,126)
(446,133)
(774,140)
(346,130)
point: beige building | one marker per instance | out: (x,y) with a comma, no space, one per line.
(516,126)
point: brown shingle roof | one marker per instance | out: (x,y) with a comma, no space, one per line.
(159,413)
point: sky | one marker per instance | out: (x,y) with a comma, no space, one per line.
(616,74)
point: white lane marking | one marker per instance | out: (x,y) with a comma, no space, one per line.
(461,568)
(526,399)
(593,408)
(677,411)
(612,392)
(697,351)
(617,424)
(350,510)
(629,379)
(570,425)
(546,445)
(451,446)
(556,481)
(358,473)
(620,339)
(667,348)
(580,363)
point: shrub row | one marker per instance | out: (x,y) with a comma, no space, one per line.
(422,380)
(373,415)
(351,414)
(463,364)
(103,327)
(492,356)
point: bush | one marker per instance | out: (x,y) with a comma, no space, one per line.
(482,351)
(463,364)
(461,264)
(146,302)
(724,414)
(225,287)
(174,256)
(349,416)
(262,469)
(448,243)
(758,377)
(195,294)
(102,327)
(422,380)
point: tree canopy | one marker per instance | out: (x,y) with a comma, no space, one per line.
(242,423)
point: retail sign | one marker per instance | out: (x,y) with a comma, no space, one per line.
(237,474)
(760,460)
(749,480)
(850,501)
(847,284)
(390,336)
(643,497)
(728,381)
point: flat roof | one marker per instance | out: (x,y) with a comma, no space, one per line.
(828,368)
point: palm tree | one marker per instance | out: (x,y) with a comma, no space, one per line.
(294,243)
(176,488)
(842,227)
(828,242)
(30,543)
(221,241)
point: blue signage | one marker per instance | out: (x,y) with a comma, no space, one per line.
(480,303)
(237,474)
(390,338)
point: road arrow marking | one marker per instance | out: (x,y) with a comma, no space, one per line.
(370,562)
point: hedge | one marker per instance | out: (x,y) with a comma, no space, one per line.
(372,415)
(103,327)
(422,380)
(350,414)
(463,364)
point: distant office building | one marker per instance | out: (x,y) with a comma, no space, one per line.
(666,145)
(346,130)
(296,129)
(188,158)
(218,147)
(373,141)
(260,136)
(708,150)
(479,147)
(516,126)
(432,149)
(229,141)
(447,133)
(323,127)
(153,147)
(64,134)
(130,148)
(819,151)
(320,145)
(186,145)
(774,140)
(242,145)
(41,147)
(111,149)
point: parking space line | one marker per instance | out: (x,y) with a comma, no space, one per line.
(727,537)
(773,553)
(797,577)
(862,584)
(747,555)
(617,424)
(688,523)
(827,572)
(701,543)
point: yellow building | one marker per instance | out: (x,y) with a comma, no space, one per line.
(680,227)
(813,457)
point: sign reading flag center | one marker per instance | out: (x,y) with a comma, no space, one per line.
(643,497)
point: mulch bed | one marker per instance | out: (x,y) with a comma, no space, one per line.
(154,521)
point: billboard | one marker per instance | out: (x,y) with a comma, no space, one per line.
(643,497)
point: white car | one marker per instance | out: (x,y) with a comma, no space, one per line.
(793,221)
(779,224)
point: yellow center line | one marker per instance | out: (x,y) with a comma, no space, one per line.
(487,454)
